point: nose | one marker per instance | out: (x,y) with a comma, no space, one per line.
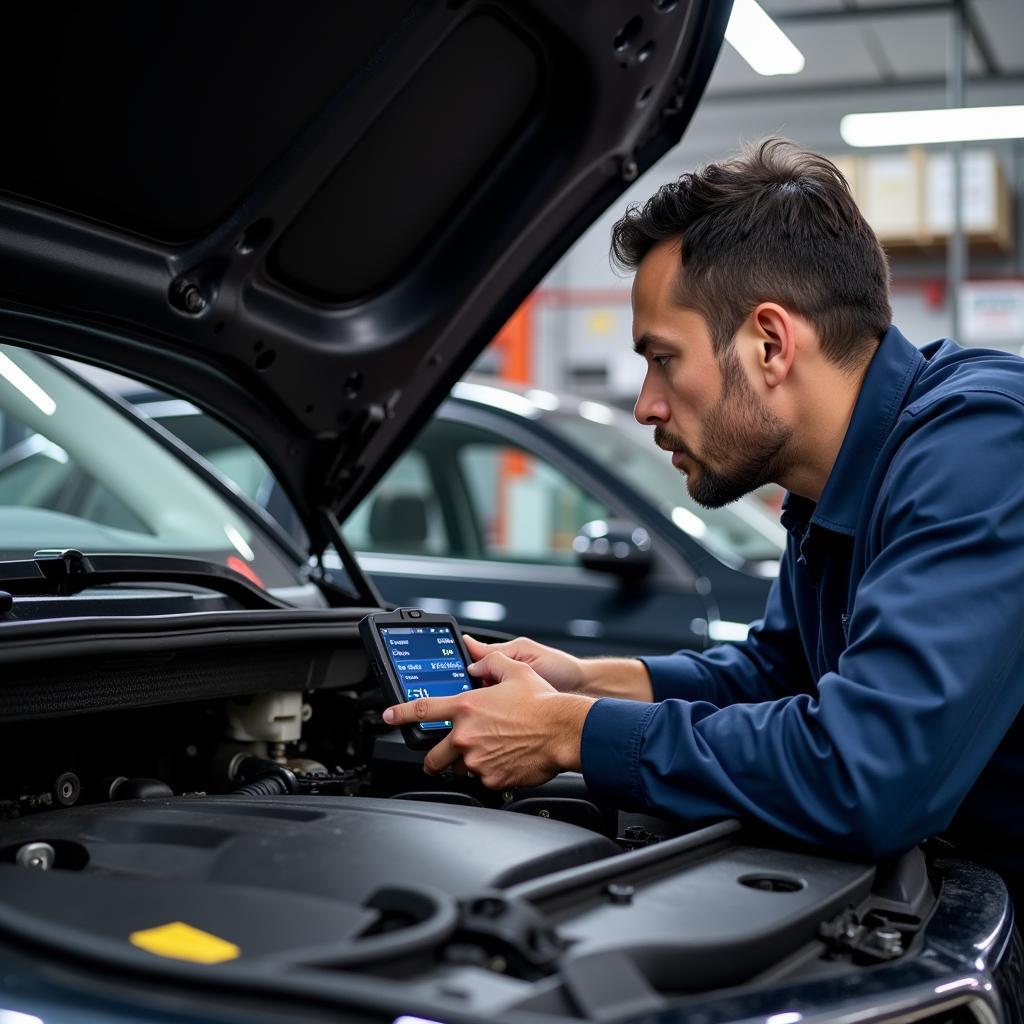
(651,408)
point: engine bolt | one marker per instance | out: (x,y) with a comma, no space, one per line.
(193,298)
(889,941)
(66,789)
(38,856)
(543,813)
(620,895)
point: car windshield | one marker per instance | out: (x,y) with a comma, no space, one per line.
(77,472)
(740,532)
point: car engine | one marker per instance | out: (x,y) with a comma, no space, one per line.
(234,792)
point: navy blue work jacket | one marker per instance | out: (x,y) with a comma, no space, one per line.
(875,703)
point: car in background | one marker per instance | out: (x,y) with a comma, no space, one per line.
(537,514)
(514,509)
(78,470)
(557,518)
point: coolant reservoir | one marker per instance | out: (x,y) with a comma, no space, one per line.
(268,717)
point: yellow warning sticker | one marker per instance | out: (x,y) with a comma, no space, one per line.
(180,941)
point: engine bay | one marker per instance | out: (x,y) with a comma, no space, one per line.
(286,840)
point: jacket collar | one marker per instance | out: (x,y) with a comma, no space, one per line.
(890,374)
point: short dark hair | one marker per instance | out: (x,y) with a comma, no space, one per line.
(775,223)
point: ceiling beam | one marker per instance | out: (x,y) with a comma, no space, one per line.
(772,94)
(980,39)
(907,8)
(798,16)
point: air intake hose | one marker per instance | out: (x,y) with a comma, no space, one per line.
(262,777)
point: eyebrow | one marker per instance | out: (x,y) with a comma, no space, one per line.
(640,345)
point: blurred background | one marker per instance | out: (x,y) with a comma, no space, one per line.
(560,477)
(532,502)
(844,57)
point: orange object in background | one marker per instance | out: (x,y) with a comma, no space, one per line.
(515,343)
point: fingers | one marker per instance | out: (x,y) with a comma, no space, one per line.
(493,667)
(520,649)
(423,709)
(442,756)
(478,651)
(477,648)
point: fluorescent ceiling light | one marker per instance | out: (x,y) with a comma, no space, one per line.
(920,127)
(760,42)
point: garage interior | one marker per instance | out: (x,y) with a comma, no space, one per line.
(858,57)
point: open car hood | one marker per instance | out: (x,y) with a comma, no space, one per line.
(310,219)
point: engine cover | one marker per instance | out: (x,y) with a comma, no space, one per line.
(342,848)
(317,880)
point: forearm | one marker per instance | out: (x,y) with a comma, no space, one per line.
(626,678)
(769,665)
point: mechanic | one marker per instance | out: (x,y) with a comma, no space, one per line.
(876,702)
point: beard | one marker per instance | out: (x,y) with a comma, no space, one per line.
(741,436)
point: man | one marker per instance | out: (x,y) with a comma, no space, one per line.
(875,703)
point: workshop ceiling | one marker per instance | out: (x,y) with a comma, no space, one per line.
(861,55)
(874,44)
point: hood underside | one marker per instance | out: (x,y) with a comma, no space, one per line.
(310,219)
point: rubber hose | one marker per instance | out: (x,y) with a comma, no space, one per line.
(269,785)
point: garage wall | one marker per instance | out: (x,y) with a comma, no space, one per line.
(580,314)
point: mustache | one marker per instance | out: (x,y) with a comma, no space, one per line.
(669,441)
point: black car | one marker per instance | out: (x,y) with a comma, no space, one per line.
(559,509)
(575,527)
(308,220)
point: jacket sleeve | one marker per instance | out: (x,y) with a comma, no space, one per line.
(930,682)
(769,664)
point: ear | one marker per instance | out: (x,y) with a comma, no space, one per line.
(776,333)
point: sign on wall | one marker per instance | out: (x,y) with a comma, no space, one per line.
(992,313)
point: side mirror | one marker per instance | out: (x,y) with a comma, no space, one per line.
(616,546)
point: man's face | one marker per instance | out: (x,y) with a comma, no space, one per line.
(705,411)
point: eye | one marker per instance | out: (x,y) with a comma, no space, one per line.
(661,361)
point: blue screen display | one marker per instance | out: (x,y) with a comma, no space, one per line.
(427,661)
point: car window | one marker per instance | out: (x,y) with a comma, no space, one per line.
(508,504)
(77,472)
(37,473)
(528,510)
(740,532)
(401,514)
(219,445)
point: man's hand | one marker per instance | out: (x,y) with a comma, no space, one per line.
(561,670)
(519,733)
(626,678)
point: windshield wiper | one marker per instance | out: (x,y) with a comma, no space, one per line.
(63,572)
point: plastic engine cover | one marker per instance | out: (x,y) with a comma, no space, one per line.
(342,848)
(316,880)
